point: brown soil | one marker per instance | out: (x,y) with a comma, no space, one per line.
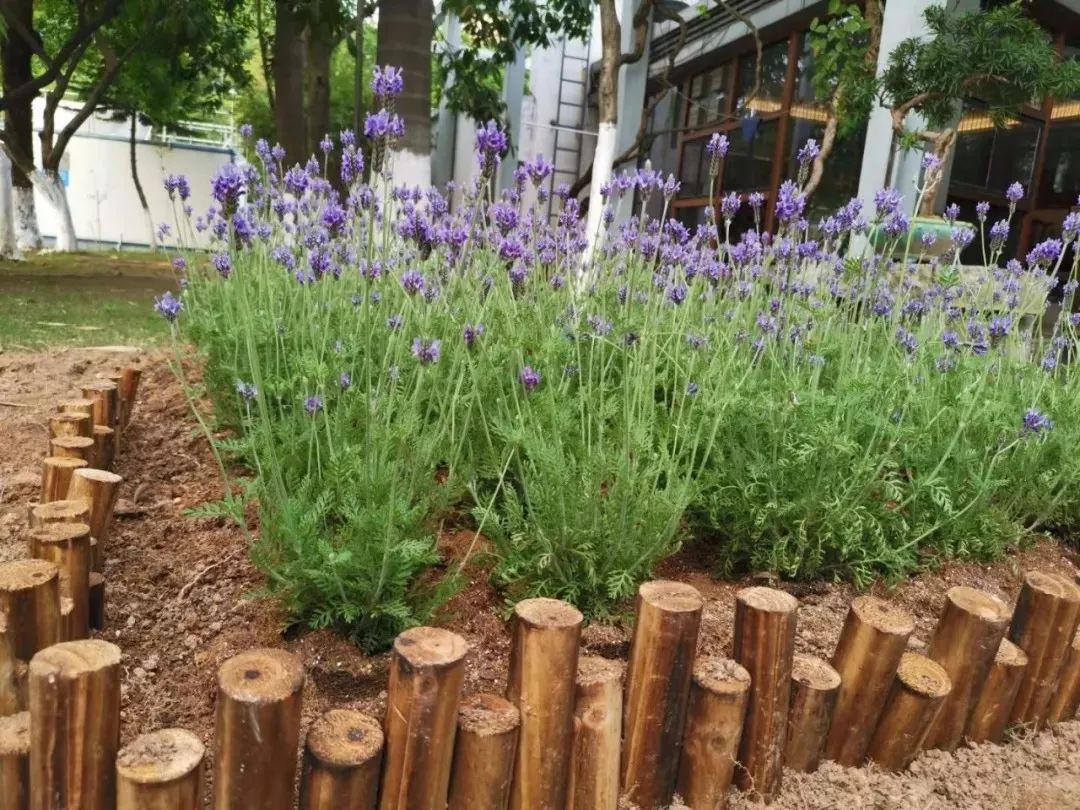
(181,599)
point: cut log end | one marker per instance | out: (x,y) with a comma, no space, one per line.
(548,613)
(15,734)
(344,738)
(430,647)
(721,675)
(60,533)
(487,715)
(71,446)
(671,597)
(99,476)
(594,670)
(59,512)
(18,575)
(1053,585)
(71,659)
(75,406)
(883,616)
(261,676)
(923,676)
(160,757)
(979,603)
(1009,655)
(768,600)
(815,673)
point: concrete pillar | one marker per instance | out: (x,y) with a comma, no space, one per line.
(442,168)
(899,21)
(513,95)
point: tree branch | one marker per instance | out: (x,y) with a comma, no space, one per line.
(641,33)
(84,33)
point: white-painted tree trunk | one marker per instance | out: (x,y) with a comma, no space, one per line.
(410,169)
(49,184)
(27,232)
(603,163)
(9,245)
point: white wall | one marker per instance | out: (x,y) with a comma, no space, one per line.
(104,203)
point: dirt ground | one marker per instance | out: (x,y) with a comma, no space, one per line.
(182,597)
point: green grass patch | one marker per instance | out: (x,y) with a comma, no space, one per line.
(82,299)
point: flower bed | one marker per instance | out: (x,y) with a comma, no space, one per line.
(392,364)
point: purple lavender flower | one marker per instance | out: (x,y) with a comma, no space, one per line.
(530,378)
(168,306)
(717,146)
(755,199)
(907,340)
(676,293)
(950,339)
(729,205)
(472,333)
(426,351)
(600,327)
(326,144)
(952,211)
(313,404)
(981,210)
(177,185)
(246,130)
(1070,228)
(412,281)
(1000,326)
(278,152)
(334,218)
(1035,423)
(886,202)
(930,162)
(1014,193)
(246,390)
(394,322)
(896,224)
(999,232)
(227,185)
(383,124)
(789,202)
(1045,253)
(808,153)
(387,82)
(1049,362)
(491,143)
(962,236)
(691,388)
(222,263)
(345,380)
(179,264)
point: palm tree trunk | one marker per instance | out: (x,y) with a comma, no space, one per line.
(405,32)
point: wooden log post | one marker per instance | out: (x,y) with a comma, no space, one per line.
(56,476)
(257,730)
(77,405)
(96,609)
(10,701)
(815,686)
(68,546)
(68,629)
(714,725)
(543,668)
(484,751)
(64,511)
(916,696)
(71,424)
(1044,623)
(1066,699)
(427,668)
(72,447)
(764,644)
(993,706)
(75,733)
(658,677)
(128,391)
(874,637)
(30,597)
(15,761)
(104,395)
(965,642)
(104,451)
(98,489)
(162,770)
(342,758)
(594,757)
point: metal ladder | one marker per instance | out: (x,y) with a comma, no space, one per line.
(569,119)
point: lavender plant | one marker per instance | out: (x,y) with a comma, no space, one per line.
(795,401)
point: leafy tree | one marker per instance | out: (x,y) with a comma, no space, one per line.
(1000,56)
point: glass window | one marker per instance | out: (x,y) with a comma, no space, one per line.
(1060,182)
(748,165)
(840,182)
(694,171)
(770,95)
(708,96)
(991,158)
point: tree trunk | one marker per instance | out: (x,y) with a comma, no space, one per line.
(19,124)
(289,82)
(49,184)
(405,31)
(608,108)
(138,185)
(265,60)
(9,246)
(320,44)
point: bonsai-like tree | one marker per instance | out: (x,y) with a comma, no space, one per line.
(1000,56)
